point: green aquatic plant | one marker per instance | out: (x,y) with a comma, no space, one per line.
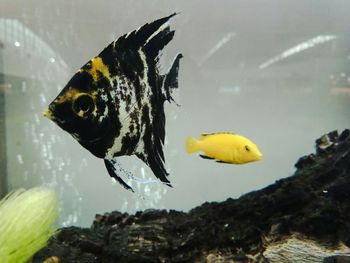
(27,221)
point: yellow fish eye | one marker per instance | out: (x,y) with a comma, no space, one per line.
(83,104)
(247,148)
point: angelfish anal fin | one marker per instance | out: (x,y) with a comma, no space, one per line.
(112,172)
(206,157)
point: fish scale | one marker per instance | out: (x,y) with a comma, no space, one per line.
(114,105)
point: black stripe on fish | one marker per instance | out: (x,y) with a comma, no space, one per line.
(170,83)
(206,157)
(171,78)
(223,162)
(108,56)
(129,144)
(152,153)
(81,80)
(215,133)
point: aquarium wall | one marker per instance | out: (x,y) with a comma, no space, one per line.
(3,154)
(277,73)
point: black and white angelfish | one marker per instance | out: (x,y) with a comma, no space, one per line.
(114,104)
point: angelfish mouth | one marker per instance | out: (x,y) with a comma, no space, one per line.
(48,114)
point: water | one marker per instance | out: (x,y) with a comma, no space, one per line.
(275,72)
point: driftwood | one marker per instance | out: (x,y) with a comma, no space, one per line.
(303,218)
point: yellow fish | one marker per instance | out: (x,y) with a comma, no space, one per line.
(225,148)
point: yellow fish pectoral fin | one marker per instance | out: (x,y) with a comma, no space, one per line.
(206,157)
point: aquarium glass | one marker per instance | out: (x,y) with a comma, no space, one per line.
(277,72)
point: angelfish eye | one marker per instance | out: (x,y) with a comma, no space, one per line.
(83,105)
(247,148)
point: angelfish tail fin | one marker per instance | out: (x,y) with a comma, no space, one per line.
(171,78)
(192,145)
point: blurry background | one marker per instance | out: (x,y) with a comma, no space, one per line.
(276,72)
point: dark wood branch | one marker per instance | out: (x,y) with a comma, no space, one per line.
(303,218)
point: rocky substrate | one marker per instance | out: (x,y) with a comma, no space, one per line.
(303,218)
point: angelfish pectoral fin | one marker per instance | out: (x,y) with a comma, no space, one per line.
(110,165)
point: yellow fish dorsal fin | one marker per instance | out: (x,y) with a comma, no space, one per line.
(204,135)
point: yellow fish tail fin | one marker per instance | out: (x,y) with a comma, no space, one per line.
(192,145)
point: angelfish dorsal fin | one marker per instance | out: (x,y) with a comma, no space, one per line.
(149,34)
